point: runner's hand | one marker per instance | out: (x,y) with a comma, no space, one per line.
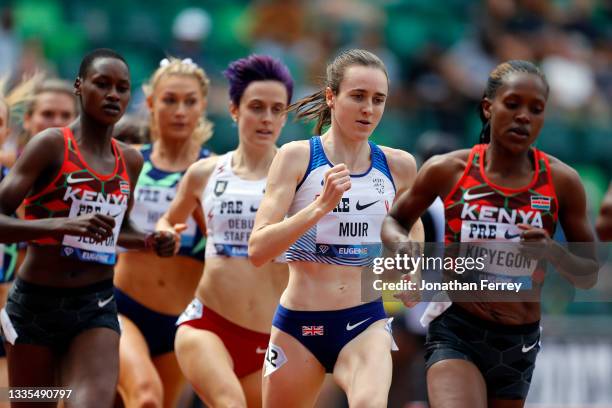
(409,298)
(96,226)
(166,243)
(535,242)
(336,181)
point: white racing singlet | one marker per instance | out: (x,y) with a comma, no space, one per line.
(230,204)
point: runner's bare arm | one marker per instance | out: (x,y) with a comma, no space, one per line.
(188,197)
(41,157)
(272,234)
(404,170)
(432,180)
(577,263)
(131,237)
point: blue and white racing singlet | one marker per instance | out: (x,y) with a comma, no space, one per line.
(8,252)
(349,234)
(154,191)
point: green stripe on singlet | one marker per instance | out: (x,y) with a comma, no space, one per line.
(168,181)
(9,270)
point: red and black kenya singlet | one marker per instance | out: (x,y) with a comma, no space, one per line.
(477,210)
(78,190)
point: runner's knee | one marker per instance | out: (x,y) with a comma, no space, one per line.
(368,397)
(147,393)
(227,397)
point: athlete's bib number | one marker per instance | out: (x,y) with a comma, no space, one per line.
(151,203)
(194,311)
(88,249)
(348,236)
(275,359)
(232,222)
(497,245)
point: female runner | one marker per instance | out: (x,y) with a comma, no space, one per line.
(60,322)
(336,190)
(224,332)
(150,292)
(53,105)
(483,354)
(22,93)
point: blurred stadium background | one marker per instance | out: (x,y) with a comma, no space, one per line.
(438,54)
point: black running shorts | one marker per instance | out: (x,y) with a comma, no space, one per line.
(50,316)
(504,354)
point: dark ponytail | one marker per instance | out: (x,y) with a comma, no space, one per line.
(313,107)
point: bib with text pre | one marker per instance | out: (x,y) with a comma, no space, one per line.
(88,249)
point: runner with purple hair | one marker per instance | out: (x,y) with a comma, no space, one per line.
(223,334)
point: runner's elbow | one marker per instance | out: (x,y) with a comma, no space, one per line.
(256,253)
(604,231)
(256,258)
(587,281)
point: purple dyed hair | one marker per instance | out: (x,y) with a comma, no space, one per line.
(242,72)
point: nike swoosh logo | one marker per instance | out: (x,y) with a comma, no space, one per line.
(254,209)
(507,235)
(467,196)
(260,350)
(71,180)
(526,349)
(115,215)
(102,303)
(363,207)
(350,326)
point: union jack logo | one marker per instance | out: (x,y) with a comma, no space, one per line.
(313,331)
